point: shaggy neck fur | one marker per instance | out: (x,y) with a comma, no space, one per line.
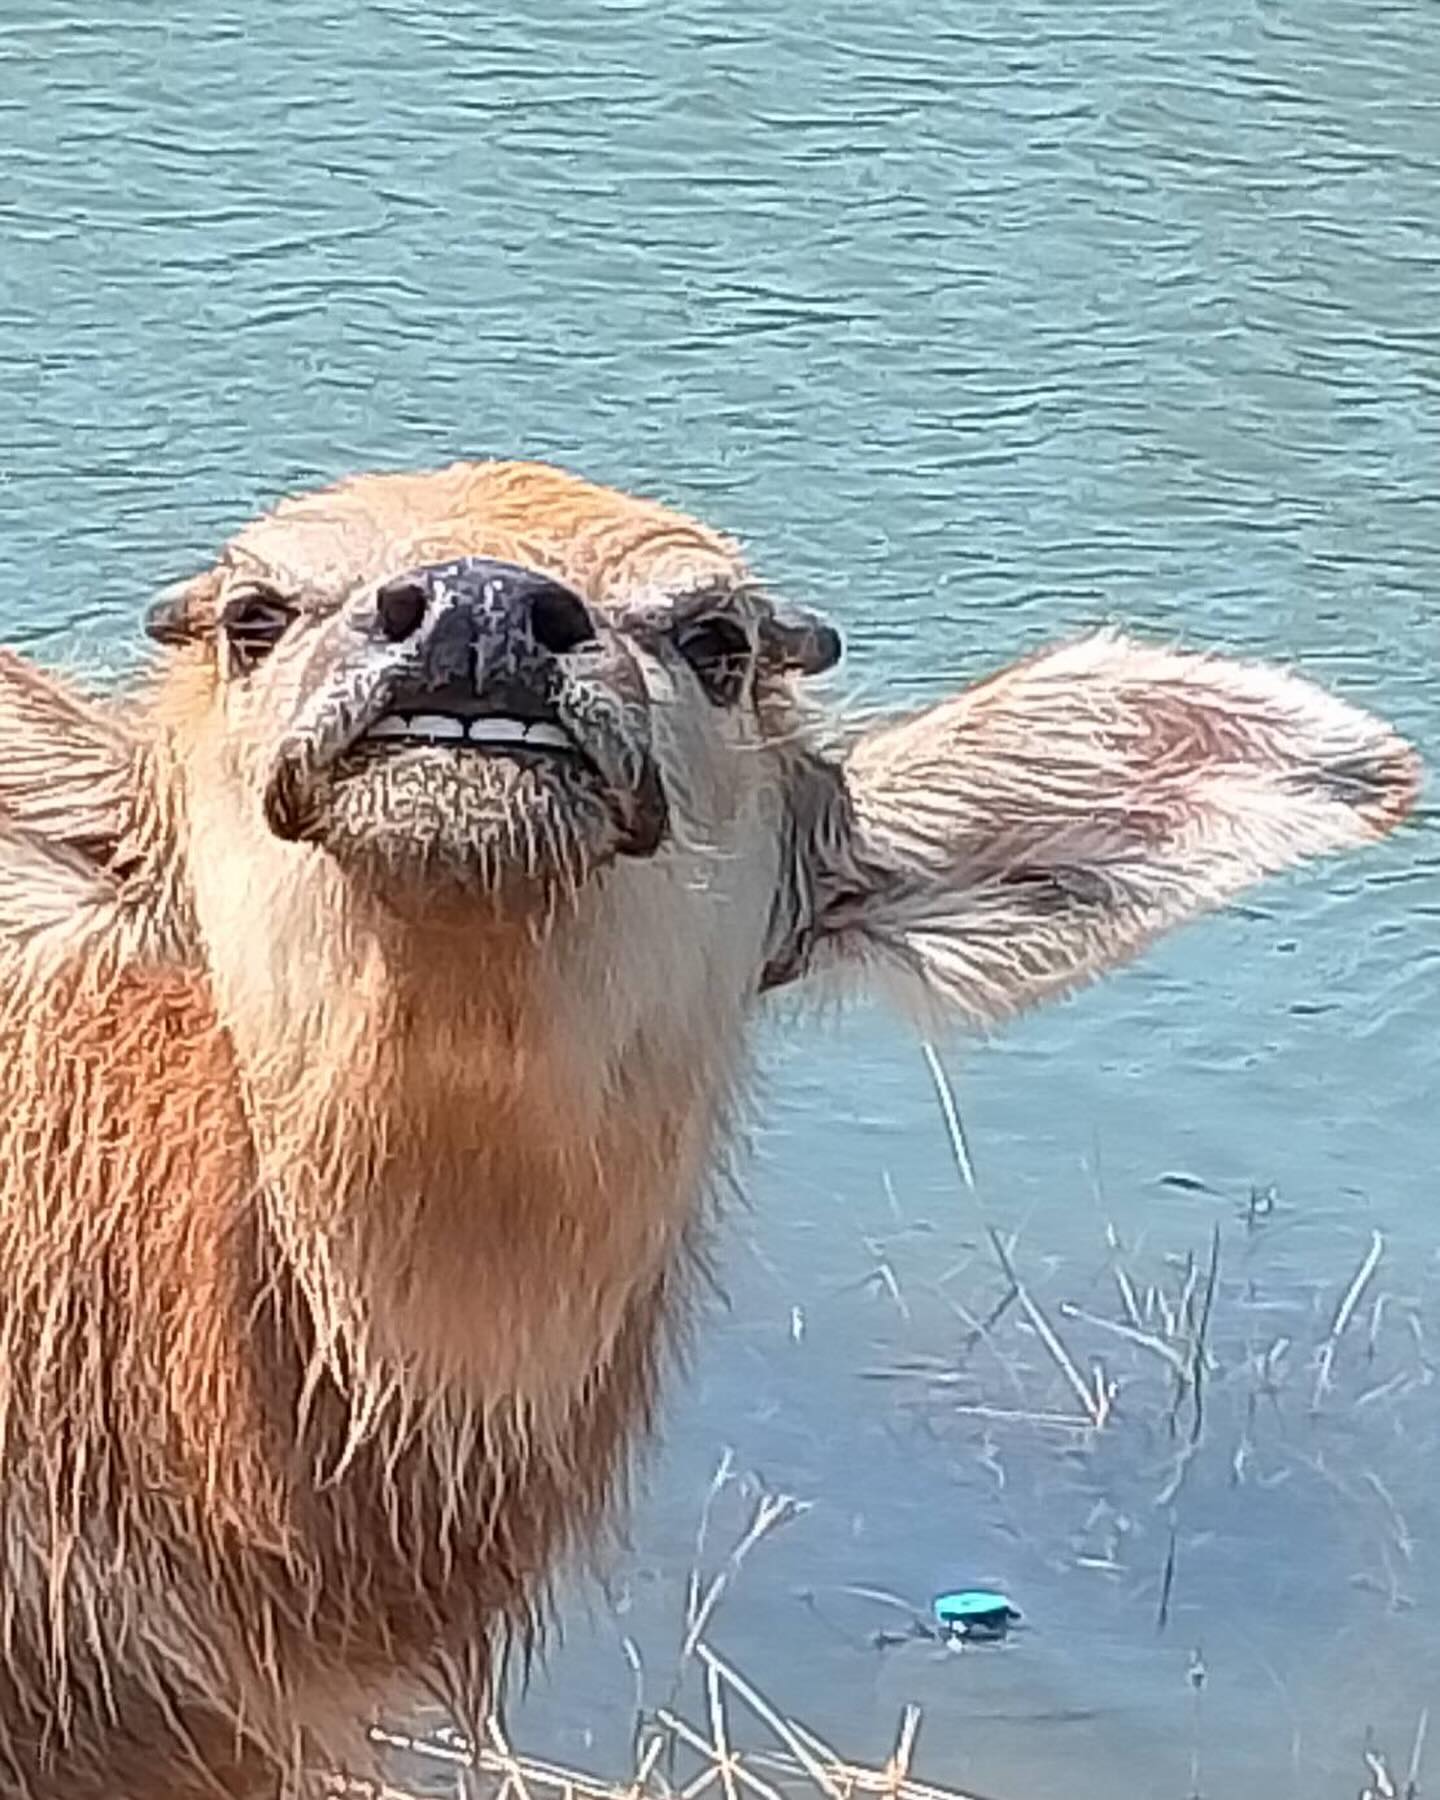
(479,1138)
(346,1259)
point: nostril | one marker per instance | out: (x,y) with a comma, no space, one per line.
(400,606)
(559,620)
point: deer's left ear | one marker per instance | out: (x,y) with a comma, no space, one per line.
(67,773)
(77,863)
(1047,824)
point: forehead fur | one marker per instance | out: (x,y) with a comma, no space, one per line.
(599,540)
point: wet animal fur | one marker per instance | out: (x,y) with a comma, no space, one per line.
(342,1248)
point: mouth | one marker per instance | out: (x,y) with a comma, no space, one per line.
(452,717)
(503,733)
(497,790)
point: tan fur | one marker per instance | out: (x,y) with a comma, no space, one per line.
(378,1343)
(343,1238)
(609,546)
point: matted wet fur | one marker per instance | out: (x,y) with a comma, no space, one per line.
(376,982)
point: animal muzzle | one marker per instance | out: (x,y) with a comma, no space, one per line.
(475,656)
(487,655)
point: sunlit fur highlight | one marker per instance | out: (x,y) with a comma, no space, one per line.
(343,1239)
(341,1249)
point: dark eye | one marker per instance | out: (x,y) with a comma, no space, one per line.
(252,624)
(718,650)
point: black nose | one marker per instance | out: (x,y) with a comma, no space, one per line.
(401,606)
(558,618)
(500,599)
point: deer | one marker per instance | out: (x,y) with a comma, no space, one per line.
(377,975)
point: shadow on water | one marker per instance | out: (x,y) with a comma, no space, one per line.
(979,324)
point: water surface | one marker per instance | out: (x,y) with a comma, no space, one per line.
(979,323)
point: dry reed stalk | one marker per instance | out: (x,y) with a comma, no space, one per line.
(797,1758)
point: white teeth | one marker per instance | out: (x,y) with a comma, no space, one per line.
(533,733)
(539,736)
(424,728)
(496,731)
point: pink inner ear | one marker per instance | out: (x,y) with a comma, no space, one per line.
(1050,822)
(1194,733)
(1186,727)
(1320,749)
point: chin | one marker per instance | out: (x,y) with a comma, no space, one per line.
(520,829)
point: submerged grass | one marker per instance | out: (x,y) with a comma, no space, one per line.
(744,1746)
(1173,1375)
(682,1760)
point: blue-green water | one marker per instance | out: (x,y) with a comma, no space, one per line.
(979,323)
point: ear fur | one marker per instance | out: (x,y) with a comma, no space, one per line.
(73,855)
(67,769)
(1018,840)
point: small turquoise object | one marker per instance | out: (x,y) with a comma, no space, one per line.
(974,1613)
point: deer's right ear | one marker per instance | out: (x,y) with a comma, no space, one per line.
(184,611)
(1008,844)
